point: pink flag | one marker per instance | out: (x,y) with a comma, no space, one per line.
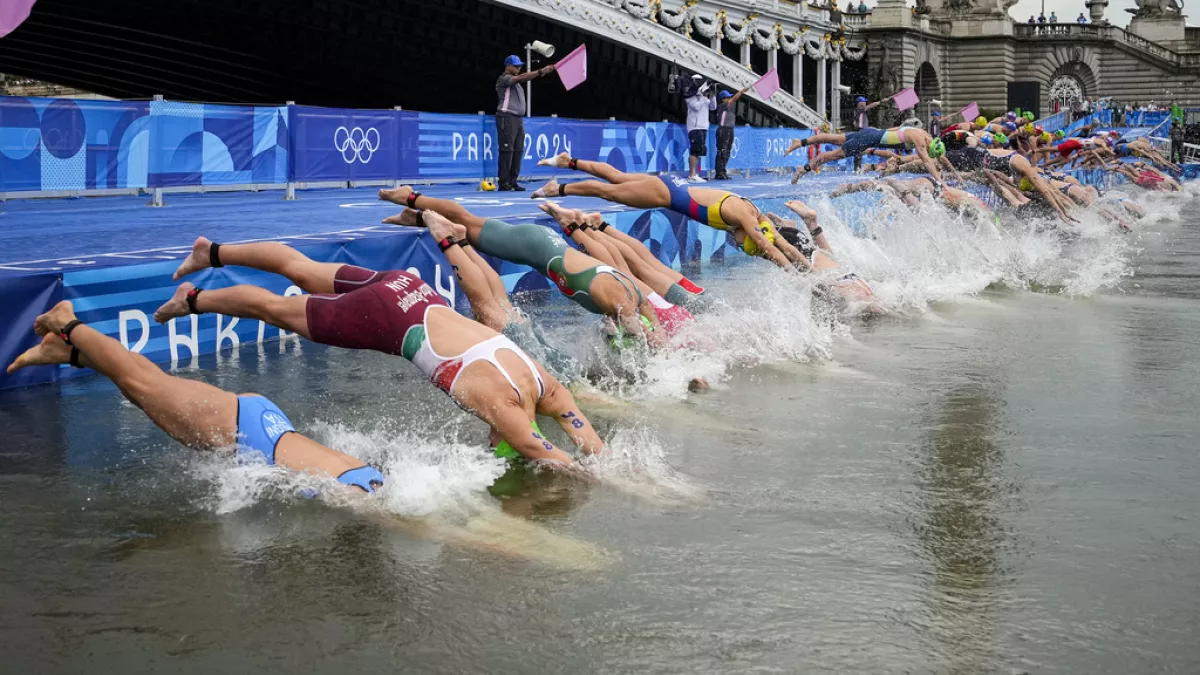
(768,84)
(970,112)
(13,13)
(906,99)
(572,69)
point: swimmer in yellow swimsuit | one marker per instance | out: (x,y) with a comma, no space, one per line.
(751,230)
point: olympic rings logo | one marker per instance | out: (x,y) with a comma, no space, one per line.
(355,144)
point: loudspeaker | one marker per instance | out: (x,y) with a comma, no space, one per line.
(1026,96)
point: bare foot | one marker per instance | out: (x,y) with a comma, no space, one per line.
(439,226)
(796,145)
(800,171)
(550,189)
(801,209)
(563,216)
(396,195)
(176,306)
(406,218)
(196,261)
(51,352)
(52,322)
(780,221)
(594,220)
(560,161)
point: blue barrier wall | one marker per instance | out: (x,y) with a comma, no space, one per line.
(51,145)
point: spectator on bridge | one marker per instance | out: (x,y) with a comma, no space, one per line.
(510,126)
(1042,18)
(1053,17)
(726,121)
(1032,20)
(703,100)
(1081,19)
(1176,135)
(862,7)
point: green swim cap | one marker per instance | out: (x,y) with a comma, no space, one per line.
(505,450)
(623,340)
(1060,134)
(1000,139)
(1029,115)
(936,148)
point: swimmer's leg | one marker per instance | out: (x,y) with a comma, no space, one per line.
(196,414)
(601,170)
(308,274)
(446,207)
(642,194)
(193,413)
(472,279)
(248,302)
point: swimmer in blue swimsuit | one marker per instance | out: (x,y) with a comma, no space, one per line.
(196,414)
(719,209)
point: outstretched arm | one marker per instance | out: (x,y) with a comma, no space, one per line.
(558,403)
(734,99)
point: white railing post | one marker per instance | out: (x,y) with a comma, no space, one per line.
(798,74)
(835,117)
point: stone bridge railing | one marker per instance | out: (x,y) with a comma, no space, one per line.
(1068,31)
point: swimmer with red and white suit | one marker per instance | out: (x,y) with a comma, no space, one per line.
(394,312)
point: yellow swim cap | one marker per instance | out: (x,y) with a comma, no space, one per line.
(768,231)
(1028,128)
(981,121)
(1046,137)
(1025,184)
(487,186)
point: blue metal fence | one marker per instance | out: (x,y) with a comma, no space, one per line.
(82,146)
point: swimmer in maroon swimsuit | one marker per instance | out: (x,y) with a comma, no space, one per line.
(396,313)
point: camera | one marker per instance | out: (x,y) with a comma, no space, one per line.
(694,85)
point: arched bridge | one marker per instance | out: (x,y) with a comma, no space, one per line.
(438,56)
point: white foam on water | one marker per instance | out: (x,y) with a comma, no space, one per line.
(635,462)
(425,475)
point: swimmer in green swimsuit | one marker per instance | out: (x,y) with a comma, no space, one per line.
(193,413)
(491,305)
(598,288)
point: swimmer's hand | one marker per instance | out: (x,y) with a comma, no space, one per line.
(573,469)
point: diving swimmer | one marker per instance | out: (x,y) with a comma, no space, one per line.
(597,287)
(721,210)
(193,413)
(397,313)
(856,143)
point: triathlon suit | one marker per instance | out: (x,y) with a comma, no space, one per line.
(386,312)
(967,158)
(260,426)
(858,142)
(682,202)
(536,246)
(670,317)
(1069,146)
(955,139)
(1150,180)
(996,163)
